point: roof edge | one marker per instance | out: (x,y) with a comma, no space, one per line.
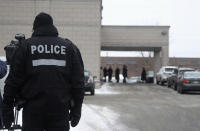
(139,26)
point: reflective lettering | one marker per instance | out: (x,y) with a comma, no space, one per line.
(33,48)
(40,49)
(46,49)
(52,49)
(57,49)
(63,49)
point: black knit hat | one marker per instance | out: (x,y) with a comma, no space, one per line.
(42,19)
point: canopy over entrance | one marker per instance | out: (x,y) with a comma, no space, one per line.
(138,38)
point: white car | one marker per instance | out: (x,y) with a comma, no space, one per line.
(164,73)
(134,79)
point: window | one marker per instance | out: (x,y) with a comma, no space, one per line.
(183,63)
(193,63)
(110,62)
(132,62)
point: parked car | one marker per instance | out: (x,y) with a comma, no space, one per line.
(172,80)
(164,73)
(89,82)
(150,77)
(189,81)
(133,79)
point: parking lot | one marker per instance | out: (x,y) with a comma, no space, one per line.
(139,107)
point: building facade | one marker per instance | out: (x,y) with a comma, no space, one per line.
(80,21)
(77,20)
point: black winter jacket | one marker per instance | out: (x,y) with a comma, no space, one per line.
(3,69)
(46,65)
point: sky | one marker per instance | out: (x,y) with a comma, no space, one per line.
(181,15)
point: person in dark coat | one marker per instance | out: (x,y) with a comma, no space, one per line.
(125,73)
(105,73)
(47,72)
(3,69)
(143,75)
(101,74)
(3,72)
(110,72)
(117,72)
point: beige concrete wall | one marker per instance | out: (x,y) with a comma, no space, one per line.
(157,61)
(165,55)
(135,36)
(78,20)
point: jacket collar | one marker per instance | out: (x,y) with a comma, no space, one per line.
(49,30)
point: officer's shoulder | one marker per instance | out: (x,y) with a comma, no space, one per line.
(68,41)
(71,44)
(27,41)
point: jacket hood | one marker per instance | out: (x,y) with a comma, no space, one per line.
(42,19)
(48,30)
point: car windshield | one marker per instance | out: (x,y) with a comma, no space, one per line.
(182,71)
(192,75)
(169,70)
(86,73)
(150,73)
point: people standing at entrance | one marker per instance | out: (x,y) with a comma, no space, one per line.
(117,72)
(143,75)
(110,71)
(125,72)
(101,74)
(105,73)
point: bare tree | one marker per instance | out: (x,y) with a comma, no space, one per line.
(147,63)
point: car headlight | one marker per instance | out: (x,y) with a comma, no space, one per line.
(164,77)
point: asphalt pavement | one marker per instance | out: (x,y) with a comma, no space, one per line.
(139,107)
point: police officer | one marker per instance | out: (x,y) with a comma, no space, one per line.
(47,72)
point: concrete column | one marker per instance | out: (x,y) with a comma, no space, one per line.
(165,55)
(161,58)
(157,61)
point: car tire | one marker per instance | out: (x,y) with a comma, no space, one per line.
(162,83)
(92,92)
(180,90)
(175,86)
(157,82)
(168,85)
